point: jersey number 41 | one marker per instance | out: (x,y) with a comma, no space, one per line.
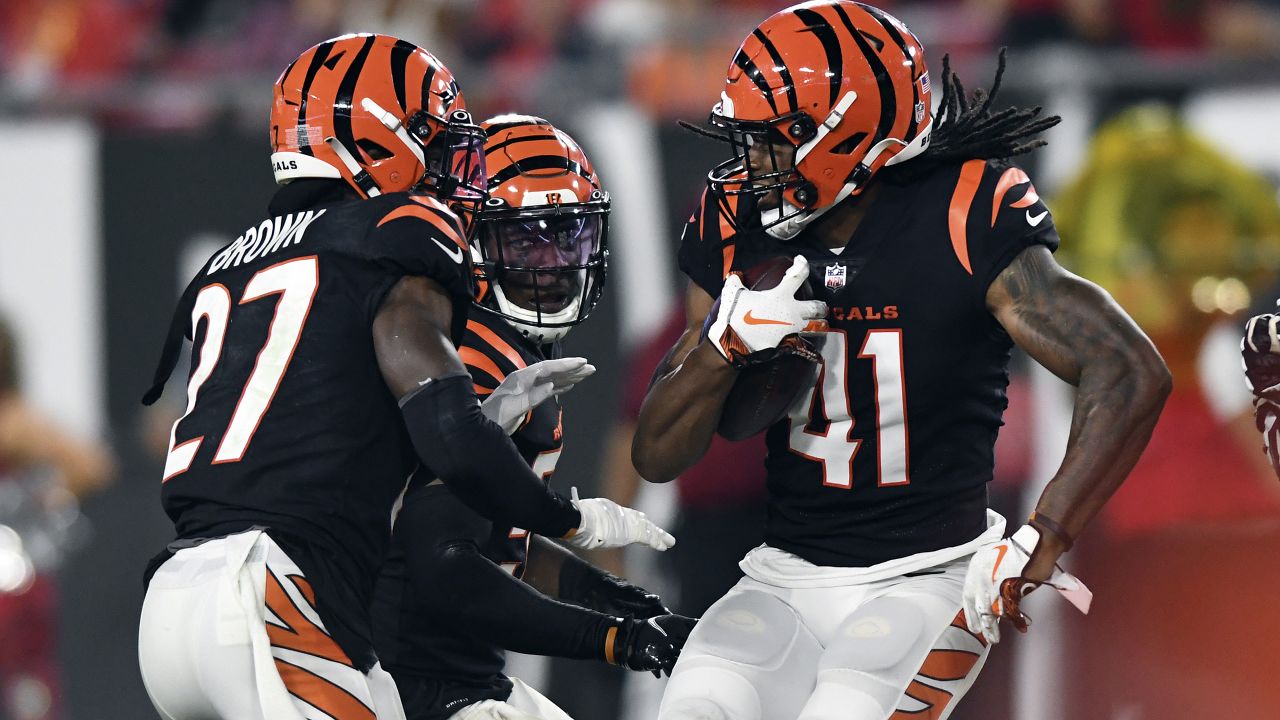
(836,446)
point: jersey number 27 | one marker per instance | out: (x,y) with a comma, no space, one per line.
(836,446)
(295,281)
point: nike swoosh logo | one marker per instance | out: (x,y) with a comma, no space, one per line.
(454,252)
(1034,220)
(753,320)
(1000,551)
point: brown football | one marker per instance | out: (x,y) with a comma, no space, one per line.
(762,393)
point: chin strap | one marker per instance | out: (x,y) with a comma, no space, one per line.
(359,175)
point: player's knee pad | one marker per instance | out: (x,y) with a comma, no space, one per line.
(710,692)
(748,627)
(877,637)
(869,659)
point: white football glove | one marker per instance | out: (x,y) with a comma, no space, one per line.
(993,585)
(749,321)
(525,389)
(606,524)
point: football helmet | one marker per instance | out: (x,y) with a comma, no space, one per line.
(540,244)
(818,98)
(380,113)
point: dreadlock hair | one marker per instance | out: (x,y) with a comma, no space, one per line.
(966,129)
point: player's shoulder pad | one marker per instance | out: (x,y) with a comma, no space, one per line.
(488,354)
(414,235)
(419,216)
(991,204)
(708,242)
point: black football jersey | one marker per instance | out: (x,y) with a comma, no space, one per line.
(439,666)
(889,453)
(289,423)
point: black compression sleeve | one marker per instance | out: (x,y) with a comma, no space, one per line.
(476,459)
(451,578)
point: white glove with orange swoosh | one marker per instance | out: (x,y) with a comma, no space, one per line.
(993,585)
(750,321)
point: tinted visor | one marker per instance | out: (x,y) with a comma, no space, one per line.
(542,262)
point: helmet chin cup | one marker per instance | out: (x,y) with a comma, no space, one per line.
(525,321)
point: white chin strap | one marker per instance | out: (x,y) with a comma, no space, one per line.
(526,321)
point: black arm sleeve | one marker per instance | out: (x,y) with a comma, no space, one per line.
(452,579)
(479,463)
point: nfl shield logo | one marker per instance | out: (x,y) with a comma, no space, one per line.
(835,276)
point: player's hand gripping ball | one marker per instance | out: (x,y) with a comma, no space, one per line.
(771,302)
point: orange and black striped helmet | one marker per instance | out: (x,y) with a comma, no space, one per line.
(380,113)
(541,242)
(832,90)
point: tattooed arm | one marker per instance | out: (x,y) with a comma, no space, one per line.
(686,395)
(1074,328)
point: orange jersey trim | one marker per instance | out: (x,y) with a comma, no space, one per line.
(478,360)
(422,213)
(502,346)
(1009,180)
(958,214)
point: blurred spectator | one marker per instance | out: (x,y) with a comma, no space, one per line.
(1230,26)
(1180,236)
(42,472)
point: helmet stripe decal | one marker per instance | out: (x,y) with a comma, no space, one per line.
(342,103)
(400,53)
(491,149)
(901,42)
(781,67)
(826,35)
(757,77)
(322,53)
(888,96)
(541,162)
(427,77)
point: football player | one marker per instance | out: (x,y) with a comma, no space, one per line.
(324,372)
(451,595)
(1260,349)
(883,576)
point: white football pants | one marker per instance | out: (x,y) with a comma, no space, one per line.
(229,631)
(525,703)
(895,648)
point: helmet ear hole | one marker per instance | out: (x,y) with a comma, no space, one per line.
(373,150)
(848,146)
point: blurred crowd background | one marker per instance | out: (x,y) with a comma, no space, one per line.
(133,140)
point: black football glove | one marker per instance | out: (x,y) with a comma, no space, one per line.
(1261,351)
(653,645)
(610,594)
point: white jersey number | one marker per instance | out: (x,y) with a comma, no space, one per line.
(836,446)
(295,281)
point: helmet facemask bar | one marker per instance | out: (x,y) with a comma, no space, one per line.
(545,266)
(454,158)
(770,179)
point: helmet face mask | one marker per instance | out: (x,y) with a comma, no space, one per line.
(762,167)
(454,165)
(547,265)
(541,240)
